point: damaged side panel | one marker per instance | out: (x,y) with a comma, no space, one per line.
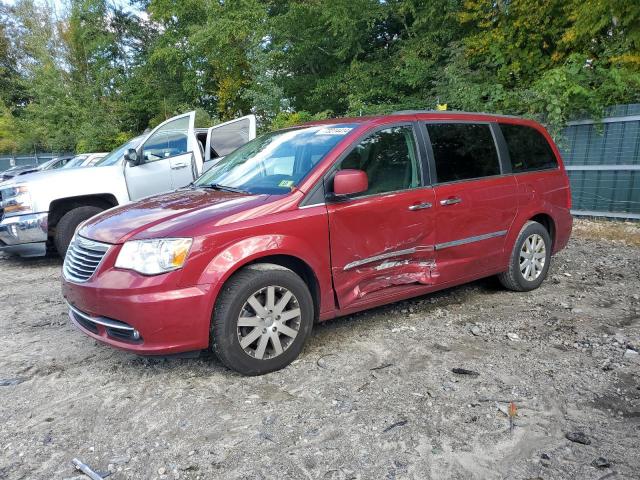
(399,273)
(380,245)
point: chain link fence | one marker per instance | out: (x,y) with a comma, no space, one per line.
(7,162)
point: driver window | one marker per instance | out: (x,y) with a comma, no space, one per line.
(168,141)
(389,158)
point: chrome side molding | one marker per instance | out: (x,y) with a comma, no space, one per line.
(476,238)
(377,258)
(409,251)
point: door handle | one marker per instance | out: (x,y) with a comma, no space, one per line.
(420,206)
(179,165)
(450,201)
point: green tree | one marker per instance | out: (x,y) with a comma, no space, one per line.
(551,60)
(8,131)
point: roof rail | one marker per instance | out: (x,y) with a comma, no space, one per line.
(454,112)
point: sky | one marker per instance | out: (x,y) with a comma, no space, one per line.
(61,5)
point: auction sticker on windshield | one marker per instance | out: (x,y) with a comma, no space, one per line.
(334,131)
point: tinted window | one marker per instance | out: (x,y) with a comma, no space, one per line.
(528,149)
(463,151)
(227,138)
(389,158)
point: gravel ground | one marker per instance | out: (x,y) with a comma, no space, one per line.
(372,396)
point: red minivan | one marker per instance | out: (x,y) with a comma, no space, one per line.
(309,223)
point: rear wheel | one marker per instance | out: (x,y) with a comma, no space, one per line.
(262,319)
(530,259)
(67,226)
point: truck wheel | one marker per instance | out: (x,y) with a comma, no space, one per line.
(261,320)
(67,226)
(530,259)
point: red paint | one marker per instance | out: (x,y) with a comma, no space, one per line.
(486,205)
(370,226)
(173,311)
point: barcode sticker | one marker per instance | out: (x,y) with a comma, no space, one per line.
(334,131)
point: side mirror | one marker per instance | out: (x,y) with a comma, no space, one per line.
(349,182)
(131,157)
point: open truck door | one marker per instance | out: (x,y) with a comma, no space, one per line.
(225,138)
(168,158)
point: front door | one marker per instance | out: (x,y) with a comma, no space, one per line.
(169,157)
(476,201)
(382,239)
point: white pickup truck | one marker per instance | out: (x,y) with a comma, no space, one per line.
(41,210)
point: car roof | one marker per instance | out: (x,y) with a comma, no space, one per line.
(425,115)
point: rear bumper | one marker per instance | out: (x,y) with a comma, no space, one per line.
(564,226)
(25,235)
(145,316)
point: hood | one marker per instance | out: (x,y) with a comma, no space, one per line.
(57,175)
(176,214)
(21,170)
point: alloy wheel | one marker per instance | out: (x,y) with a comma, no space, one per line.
(269,322)
(533,256)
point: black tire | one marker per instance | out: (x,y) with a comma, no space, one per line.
(225,341)
(513,279)
(67,226)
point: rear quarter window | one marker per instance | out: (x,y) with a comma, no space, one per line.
(528,149)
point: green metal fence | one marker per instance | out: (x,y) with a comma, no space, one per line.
(603,163)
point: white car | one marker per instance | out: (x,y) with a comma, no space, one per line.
(43,209)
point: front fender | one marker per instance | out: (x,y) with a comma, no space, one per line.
(248,250)
(234,256)
(48,187)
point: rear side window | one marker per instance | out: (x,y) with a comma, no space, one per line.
(463,151)
(528,149)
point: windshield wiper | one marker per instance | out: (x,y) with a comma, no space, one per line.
(224,188)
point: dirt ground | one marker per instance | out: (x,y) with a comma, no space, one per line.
(373,396)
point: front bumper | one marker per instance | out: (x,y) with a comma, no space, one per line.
(25,235)
(144,315)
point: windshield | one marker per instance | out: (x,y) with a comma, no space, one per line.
(118,154)
(276,162)
(76,161)
(49,164)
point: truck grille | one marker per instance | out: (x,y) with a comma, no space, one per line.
(83,258)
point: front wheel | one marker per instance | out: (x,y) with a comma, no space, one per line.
(67,226)
(262,319)
(530,259)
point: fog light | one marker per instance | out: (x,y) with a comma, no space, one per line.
(13,230)
(136,335)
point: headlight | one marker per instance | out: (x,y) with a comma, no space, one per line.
(15,199)
(151,257)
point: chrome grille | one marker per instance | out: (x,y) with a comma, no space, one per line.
(83,258)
